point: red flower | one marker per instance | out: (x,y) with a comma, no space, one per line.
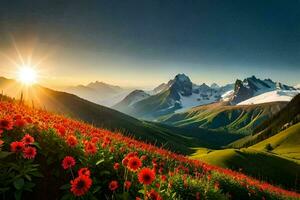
(146,176)
(27,139)
(163,178)
(61,131)
(116,166)
(94,140)
(29,152)
(84,171)
(113,185)
(72,141)
(6,124)
(90,148)
(111,149)
(143,157)
(20,123)
(134,164)
(127,184)
(81,185)
(153,195)
(28,120)
(68,162)
(125,161)
(16,146)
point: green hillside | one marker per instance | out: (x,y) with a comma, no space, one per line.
(177,139)
(285,143)
(286,117)
(259,164)
(222,117)
(149,108)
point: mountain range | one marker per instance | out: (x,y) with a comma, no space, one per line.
(99,92)
(176,95)
(181,94)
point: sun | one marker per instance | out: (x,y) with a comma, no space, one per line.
(27,75)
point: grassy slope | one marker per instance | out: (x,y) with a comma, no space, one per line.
(285,143)
(259,164)
(290,114)
(149,107)
(219,116)
(75,107)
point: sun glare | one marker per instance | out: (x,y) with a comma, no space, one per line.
(27,75)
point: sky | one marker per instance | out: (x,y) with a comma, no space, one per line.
(142,43)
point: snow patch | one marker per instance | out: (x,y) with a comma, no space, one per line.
(227,95)
(272,96)
(194,100)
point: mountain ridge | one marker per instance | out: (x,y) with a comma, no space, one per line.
(99,92)
(178,93)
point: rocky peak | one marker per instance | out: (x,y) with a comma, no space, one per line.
(182,85)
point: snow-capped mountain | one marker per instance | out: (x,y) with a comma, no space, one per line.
(176,95)
(100,93)
(272,96)
(253,86)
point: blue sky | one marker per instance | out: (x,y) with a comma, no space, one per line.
(144,43)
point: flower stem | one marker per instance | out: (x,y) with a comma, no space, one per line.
(145,192)
(72,173)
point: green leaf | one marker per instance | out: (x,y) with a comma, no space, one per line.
(4,154)
(28,177)
(37,145)
(173,195)
(141,191)
(65,187)
(105,172)
(19,183)
(96,189)
(100,161)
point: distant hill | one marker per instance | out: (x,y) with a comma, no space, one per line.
(99,92)
(224,117)
(288,116)
(130,100)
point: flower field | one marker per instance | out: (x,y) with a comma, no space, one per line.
(47,156)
